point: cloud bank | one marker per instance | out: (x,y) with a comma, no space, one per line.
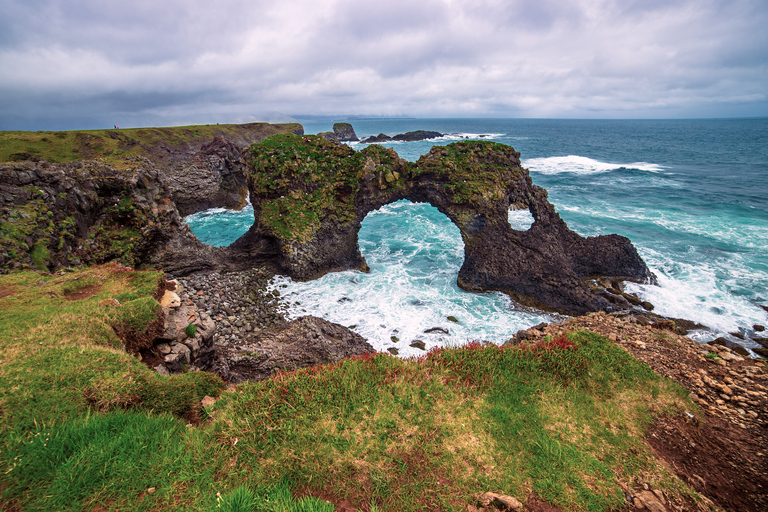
(90,63)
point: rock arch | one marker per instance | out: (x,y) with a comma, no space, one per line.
(311,195)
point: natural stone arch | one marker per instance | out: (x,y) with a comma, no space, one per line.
(311,195)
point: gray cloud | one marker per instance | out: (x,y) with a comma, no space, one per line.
(94,63)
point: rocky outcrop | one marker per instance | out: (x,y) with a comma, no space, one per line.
(187,336)
(404,137)
(210,173)
(213,177)
(305,342)
(54,215)
(311,195)
(342,132)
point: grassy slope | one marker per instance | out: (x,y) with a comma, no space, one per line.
(116,145)
(83,425)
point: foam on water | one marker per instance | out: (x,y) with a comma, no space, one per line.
(696,215)
(414,253)
(581,165)
(703,292)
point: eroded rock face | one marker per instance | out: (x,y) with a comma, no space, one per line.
(207,173)
(55,215)
(311,195)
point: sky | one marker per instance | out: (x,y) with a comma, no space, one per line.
(79,64)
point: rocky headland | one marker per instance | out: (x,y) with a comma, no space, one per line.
(310,195)
(342,132)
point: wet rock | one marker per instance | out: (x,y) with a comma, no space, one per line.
(418,344)
(437,329)
(718,341)
(393,351)
(741,351)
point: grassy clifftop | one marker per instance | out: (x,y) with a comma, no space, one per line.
(117,144)
(84,426)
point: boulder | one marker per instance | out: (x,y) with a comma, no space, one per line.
(307,341)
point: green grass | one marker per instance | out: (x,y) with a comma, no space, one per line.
(84,425)
(115,145)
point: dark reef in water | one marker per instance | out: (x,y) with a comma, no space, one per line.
(403,137)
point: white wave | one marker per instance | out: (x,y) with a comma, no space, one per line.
(582,165)
(701,292)
(391,309)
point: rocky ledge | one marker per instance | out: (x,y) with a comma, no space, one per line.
(253,341)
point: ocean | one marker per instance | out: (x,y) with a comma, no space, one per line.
(692,196)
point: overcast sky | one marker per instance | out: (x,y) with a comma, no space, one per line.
(95,63)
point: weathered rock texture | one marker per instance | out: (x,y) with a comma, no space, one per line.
(311,195)
(54,215)
(403,137)
(307,341)
(342,132)
(209,173)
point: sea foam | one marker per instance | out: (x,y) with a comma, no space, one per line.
(582,165)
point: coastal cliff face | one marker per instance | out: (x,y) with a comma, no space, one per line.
(311,195)
(207,172)
(54,215)
(77,197)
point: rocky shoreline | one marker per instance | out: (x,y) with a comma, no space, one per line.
(253,339)
(720,450)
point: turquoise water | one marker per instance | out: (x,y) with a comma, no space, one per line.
(692,195)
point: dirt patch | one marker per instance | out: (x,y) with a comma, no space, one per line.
(83,293)
(134,341)
(8,291)
(721,452)
(536,504)
(715,457)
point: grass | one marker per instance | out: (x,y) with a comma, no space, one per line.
(114,146)
(84,426)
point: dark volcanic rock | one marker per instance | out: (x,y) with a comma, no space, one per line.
(373,139)
(305,342)
(310,197)
(88,212)
(211,173)
(406,137)
(342,132)
(417,135)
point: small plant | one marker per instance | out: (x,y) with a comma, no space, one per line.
(712,355)
(191,330)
